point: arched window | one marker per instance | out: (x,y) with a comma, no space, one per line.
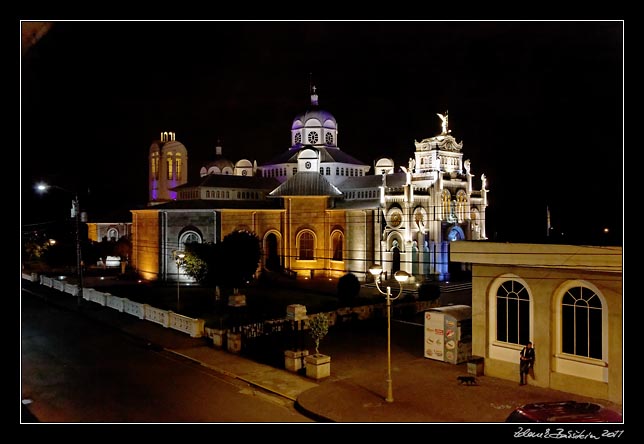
(512,313)
(112,234)
(169,163)
(328,171)
(155,166)
(177,161)
(445,207)
(461,205)
(306,246)
(582,323)
(336,244)
(337,171)
(189,237)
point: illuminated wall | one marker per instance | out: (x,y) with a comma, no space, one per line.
(546,271)
(145,243)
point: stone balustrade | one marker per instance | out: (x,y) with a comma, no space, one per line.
(71,289)
(156,315)
(134,308)
(114,302)
(196,327)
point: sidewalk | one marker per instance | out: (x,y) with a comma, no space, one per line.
(424,390)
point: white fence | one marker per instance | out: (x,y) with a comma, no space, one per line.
(193,327)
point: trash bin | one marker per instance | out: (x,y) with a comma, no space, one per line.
(475,366)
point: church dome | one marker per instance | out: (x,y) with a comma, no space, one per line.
(218,166)
(314,118)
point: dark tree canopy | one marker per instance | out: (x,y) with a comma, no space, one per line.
(231,263)
(348,287)
(240,259)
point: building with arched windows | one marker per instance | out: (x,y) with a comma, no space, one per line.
(566,299)
(317,210)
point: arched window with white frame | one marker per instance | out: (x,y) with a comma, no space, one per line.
(582,324)
(189,237)
(512,304)
(112,234)
(306,245)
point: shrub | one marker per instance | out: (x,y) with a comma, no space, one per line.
(348,287)
(429,291)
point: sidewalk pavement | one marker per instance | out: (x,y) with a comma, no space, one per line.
(424,390)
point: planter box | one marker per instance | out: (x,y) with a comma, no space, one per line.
(318,366)
(234,342)
(296,312)
(475,366)
(237,300)
(218,336)
(294,360)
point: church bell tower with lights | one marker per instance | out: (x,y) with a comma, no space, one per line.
(168,168)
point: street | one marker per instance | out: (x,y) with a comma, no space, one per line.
(74,370)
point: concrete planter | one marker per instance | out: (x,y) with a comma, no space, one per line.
(318,366)
(294,360)
(233,342)
(218,336)
(237,300)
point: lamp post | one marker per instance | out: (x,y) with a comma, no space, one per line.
(179,255)
(43,187)
(401,276)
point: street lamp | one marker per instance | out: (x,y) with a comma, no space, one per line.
(178,256)
(401,276)
(42,188)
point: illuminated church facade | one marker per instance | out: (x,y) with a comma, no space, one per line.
(318,211)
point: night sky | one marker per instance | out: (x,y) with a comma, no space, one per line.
(537,105)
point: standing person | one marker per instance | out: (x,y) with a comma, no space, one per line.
(526,363)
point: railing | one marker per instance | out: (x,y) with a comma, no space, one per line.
(193,327)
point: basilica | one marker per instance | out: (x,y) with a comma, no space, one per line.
(318,211)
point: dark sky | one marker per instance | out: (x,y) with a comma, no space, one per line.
(537,104)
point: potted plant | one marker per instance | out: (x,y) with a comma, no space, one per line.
(318,365)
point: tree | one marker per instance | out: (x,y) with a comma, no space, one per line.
(232,262)
(200,262)
(348,287)
(319,327)
(240,257)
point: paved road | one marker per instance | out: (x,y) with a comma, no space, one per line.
(77,371)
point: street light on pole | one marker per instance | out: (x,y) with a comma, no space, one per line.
(401,276)
(178,256)
(75,213)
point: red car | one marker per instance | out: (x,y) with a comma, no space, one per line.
(564,411)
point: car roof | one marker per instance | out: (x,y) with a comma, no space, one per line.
(564,411)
